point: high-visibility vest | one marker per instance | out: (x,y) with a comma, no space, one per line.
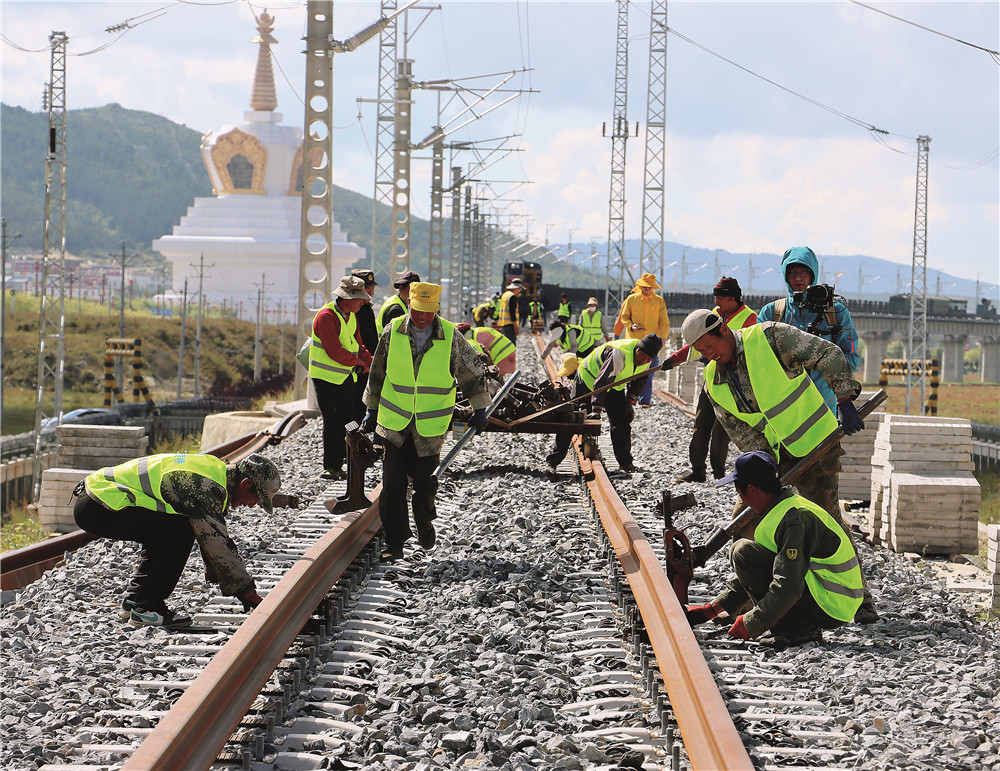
(137,482)
(737,321)
(585,339)
(380,318)
(792,413)
(834,581)
(482,312)
(476,346)
(499,347)
(563,309)
(536,309)
(321,366)
(504,318)
(590,367)
(431,401)
(592,323)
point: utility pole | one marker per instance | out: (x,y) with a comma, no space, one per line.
(258,340)
(619,134)
(3,302)
(180,354)
(457,287)
(916,348)
(654,182)
(52,310)
(197,336)
(119,362)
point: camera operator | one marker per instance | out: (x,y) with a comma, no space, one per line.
(812,307)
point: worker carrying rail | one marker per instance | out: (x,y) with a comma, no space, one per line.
(419,359)
(165,502)
(610,363)
(800,571)
(758,379)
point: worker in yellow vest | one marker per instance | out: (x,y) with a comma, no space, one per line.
(800,571)
(612,362)
(419,364)
(593,320)
(502,352)
(166,502)
(509,310)
(396,305)
(336,357)
(565,310)
(759,381)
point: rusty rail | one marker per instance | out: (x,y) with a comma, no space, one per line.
(202,720)
(710,737)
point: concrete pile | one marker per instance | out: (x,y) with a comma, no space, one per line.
(993,563)
(924,497)
(856,465)
(83,449)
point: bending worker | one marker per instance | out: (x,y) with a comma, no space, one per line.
(571,338)
(411,398)
(710,439)
(758,381)
(644,312)
(502,352)
(612,362)
(165,502)
(800,571)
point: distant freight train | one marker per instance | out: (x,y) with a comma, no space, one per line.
(936,306)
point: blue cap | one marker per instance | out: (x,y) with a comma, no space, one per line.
(752,468)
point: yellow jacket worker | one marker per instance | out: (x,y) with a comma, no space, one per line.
(644,312)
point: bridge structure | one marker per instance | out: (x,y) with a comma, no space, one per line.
(877,328)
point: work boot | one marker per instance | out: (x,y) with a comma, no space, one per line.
(391,554)
(332,475)
(426,536)
(692,476)
(866,613)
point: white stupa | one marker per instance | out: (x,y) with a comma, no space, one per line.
(251,226)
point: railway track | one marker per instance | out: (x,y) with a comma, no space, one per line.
(568,648)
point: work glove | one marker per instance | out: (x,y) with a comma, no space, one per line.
(667,365)
(369,421)
(479,420)
(699,614)
(850,420)
(250,600)
(739,629)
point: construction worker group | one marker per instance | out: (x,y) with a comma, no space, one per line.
(777,383)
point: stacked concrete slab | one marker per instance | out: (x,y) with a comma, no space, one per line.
(856,465)
(924,497)
(83,449)
(993,563)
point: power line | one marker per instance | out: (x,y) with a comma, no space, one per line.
(990,51)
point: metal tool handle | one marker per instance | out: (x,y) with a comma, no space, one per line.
(471,432)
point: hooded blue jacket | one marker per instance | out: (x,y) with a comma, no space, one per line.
(797,316)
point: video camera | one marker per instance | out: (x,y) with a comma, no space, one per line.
(817,298)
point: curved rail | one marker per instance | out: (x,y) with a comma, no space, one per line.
(20,567)
(710,737)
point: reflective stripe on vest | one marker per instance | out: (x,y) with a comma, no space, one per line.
(432,400)
(585,339)
(563,309)
(321,366)
(792,413)
(137,483)
(499,347)
(380,319)
(590,367)
(505,318)
(592,323)
(834,581)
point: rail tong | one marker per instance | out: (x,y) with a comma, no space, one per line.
(471,432)
(681,558)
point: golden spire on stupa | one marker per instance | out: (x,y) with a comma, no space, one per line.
(263,97)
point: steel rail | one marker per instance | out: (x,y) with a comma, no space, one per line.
(710,737)
(201,722)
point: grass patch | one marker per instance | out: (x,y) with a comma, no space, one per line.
(979,402)
(22,530)
(989,505)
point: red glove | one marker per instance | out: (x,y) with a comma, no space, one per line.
(251,600)
(739,629)
(699,614)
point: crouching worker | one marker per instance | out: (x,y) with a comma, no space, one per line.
(800,572)
(165,502)
(419,362)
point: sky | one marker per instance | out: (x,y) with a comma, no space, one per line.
(767,150)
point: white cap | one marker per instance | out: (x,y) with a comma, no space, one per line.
(698,323)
